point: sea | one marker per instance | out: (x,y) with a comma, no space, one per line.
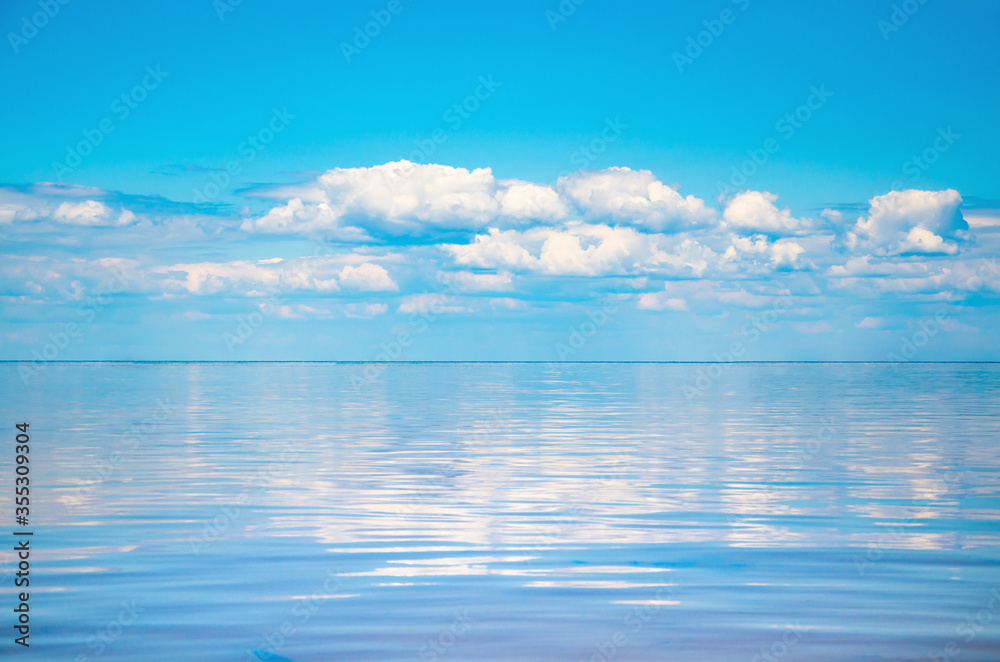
(590,512)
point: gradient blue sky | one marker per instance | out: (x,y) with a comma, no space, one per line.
(505,239)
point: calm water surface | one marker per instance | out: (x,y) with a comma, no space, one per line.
(311,512)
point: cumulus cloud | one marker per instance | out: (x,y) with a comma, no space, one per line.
(15,206)
(498,244)
(661,301)
(402,198)
(525,200)
(49,201)
(582,249)
(590,250)
(910,222)
(755,211)
(91,212)
(633,197)
(577,249)
(271,276)
(367,277)
(495,249)
(748,253)
(219,277)
(297,217)
(687,257)
(397,198)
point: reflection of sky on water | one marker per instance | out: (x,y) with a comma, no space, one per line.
(545,496)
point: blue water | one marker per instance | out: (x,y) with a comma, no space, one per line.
(314,512)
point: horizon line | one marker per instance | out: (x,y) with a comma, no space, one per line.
(468,361)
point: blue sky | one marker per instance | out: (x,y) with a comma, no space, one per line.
(516,180)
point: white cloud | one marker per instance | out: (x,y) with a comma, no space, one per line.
(871,323)
(919,240)
(576,249)
(430,302)
(218,277)
(783,254)
(271,276)
(633,197)
(396,198)
(91,212)
(297,217)
(910,222)
(591,250)
(861,265)
(661,301)
(525,200)
(506,242)
(494,249)
(367,277)
(366,310)
(17,206)
(404,198)
(755,211)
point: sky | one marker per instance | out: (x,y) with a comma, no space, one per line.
(578,180)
